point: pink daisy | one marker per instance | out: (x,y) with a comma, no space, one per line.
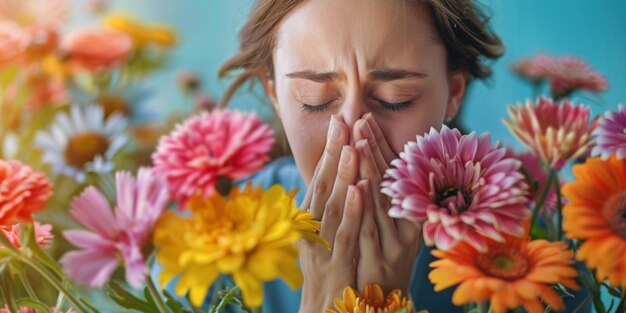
(460,186)
(567,74)
(531,163)
(557,132)
(210,146)
(115,237)
(611,134)
(43,234)
(533,69)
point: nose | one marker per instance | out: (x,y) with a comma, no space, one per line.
(352,109)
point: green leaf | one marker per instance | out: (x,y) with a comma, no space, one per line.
(127,300)
(32,303)
(40,255)
(174,304)
(403,310)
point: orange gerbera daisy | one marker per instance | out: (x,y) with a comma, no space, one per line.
(371,301)
(596,213)
(510,274)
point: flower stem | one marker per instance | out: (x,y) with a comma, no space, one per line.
(482,307)
(54,282)
(29,289)
(226,300)
(156,295)
(559,209)
(539,203)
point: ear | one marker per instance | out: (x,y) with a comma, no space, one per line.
(270,90)
(457,83)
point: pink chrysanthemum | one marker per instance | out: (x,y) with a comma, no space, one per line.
(115,237)
(557,132)
(23,192)
(611,134)
(43,234)
(209,146)
(567,74)
(460,186)
(30,310)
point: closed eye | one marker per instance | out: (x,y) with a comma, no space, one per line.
(394,106)
(316,107)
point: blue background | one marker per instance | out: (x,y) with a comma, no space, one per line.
(592,30)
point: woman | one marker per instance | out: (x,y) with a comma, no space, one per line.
(352,81)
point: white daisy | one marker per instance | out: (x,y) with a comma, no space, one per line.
(82,140)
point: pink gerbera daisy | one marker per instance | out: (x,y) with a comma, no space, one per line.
(611,134)
(115,237)
(567,74)
(537,174)
(533,69)
(460,186)
(557,132)
(210,146)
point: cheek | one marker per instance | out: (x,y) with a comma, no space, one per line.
(307,138)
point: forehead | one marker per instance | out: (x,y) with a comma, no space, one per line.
(374,31)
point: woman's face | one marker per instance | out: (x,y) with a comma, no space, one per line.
(351,57)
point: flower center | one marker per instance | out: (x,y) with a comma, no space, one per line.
(503,262)
(84,147)
(113,104)
(614,212)
(456,200)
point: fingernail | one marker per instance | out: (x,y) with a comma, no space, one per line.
(334,127)
(346,155)
(362,145)
(363,182)
(365,129)
(351,196)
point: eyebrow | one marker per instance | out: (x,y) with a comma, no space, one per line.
(375,74)
(389,74)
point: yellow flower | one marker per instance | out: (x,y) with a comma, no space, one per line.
(141,33)
(371,301)
(250,235)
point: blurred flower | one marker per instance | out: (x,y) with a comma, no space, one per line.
(512,273)
(13,42)
(22,192)
(97,49)
(556,132)
(96,6)
(82,141)
(34,12)
(611,134)
(532,69)
(249,235)
(188,81)
(202,101)
(210,146)
(531,163)
(371,301)
(567,74)
(43,234)
(44,89)
(141,33)
(597,214)
(115,237)
(43,40)
(460,186)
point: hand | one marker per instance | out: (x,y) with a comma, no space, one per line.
(388,247)
(333,198)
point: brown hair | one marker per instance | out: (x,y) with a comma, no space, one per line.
(462,26)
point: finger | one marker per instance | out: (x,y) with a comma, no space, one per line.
(369,241)
(344,248)
(322,183)
(363,131)
(367,170)
(409,232)
(383,145)
(333,210)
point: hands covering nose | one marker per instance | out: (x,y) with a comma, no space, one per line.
(368,245)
